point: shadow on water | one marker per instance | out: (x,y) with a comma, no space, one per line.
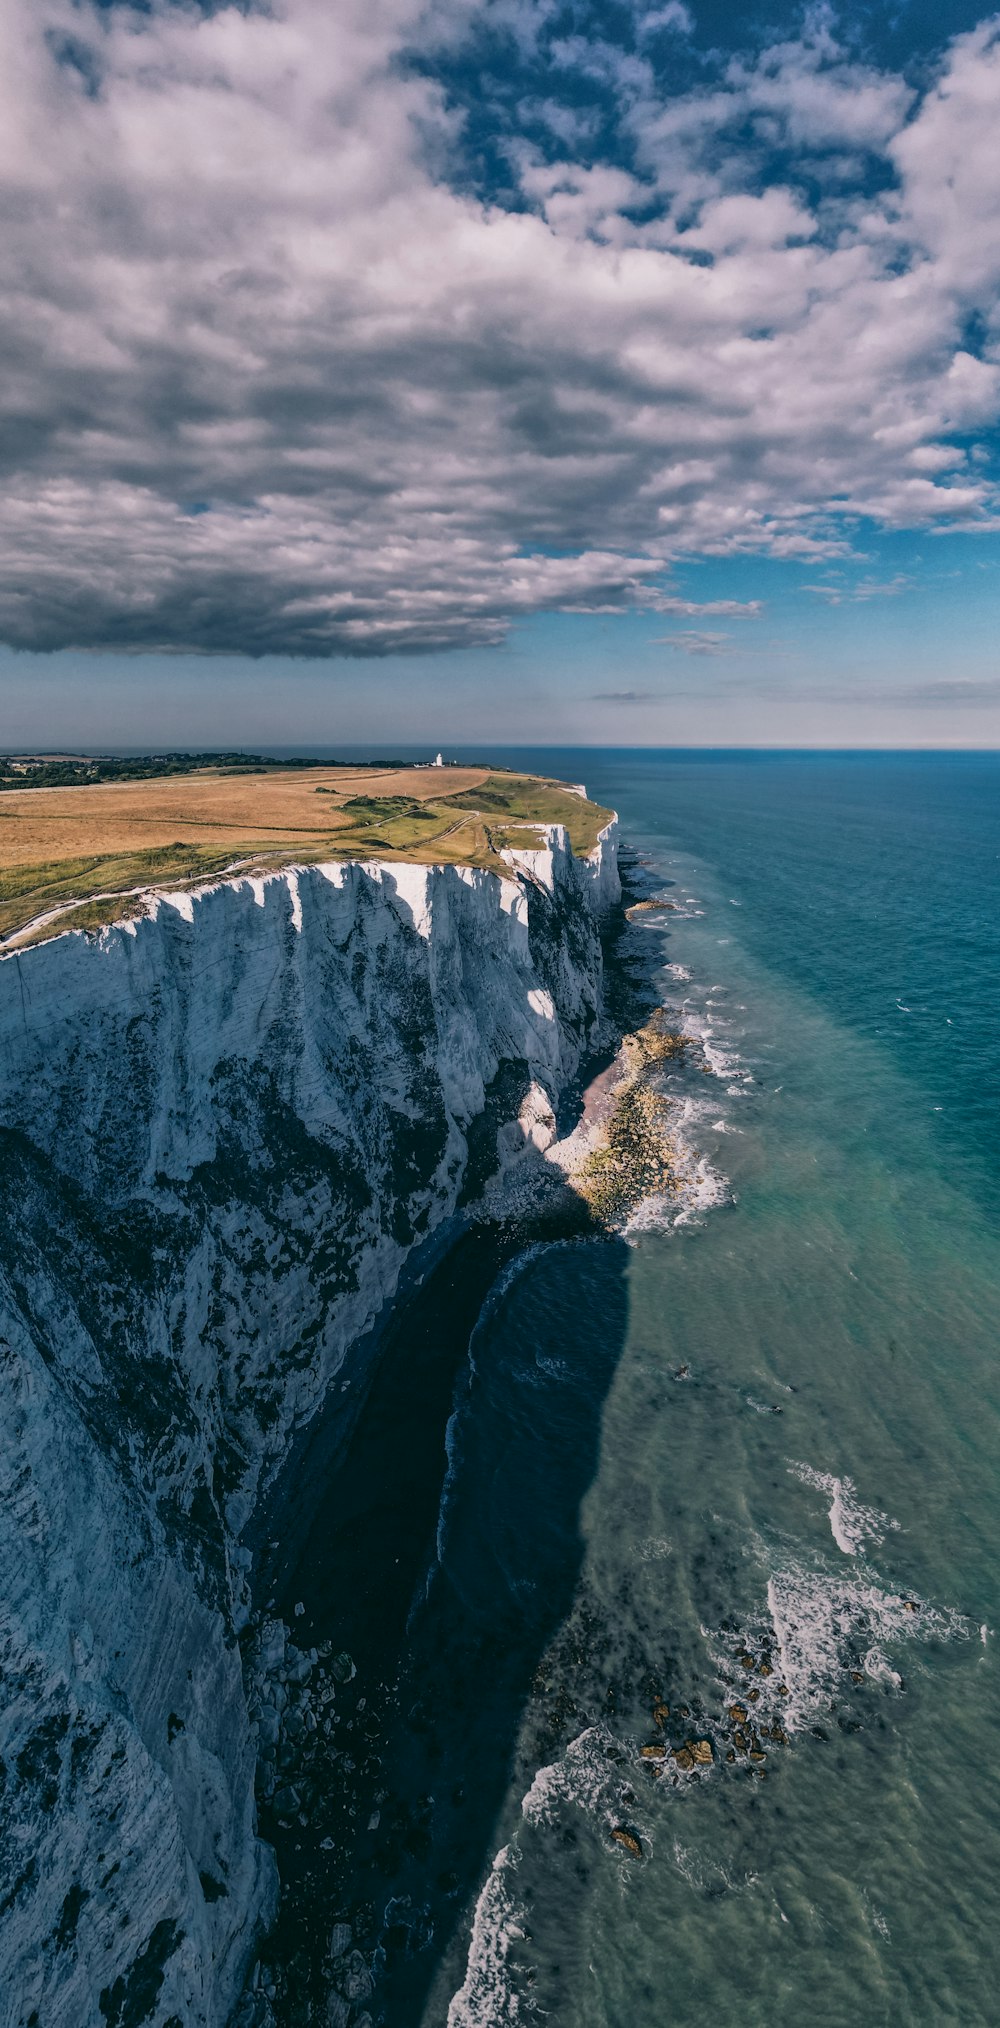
(439,1549)
(484,1459)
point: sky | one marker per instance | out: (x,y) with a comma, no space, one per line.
(499,369)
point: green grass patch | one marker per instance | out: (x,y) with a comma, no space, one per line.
(90,915)
(534,800)
(27,891)
(384,809)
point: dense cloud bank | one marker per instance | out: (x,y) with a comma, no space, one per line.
(281,378)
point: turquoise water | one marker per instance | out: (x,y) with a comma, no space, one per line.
(770,1430)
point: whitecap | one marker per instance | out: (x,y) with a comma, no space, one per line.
(586,1775)
(704,1874)
(851,1523)
(700,1188)
(824,1624)
(487,1994)
(552,1368)
(825,1631)
(653,1549)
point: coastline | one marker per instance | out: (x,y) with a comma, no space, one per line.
(115,1120)
(325,1826)
(766,1419)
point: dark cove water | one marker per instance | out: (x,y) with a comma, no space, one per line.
(747,1459)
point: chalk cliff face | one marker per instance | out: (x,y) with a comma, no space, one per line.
(223,1130)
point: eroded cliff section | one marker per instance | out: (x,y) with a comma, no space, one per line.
(224,1129)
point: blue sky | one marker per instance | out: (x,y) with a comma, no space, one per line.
(626,374)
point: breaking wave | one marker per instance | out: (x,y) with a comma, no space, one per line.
(833,1629)
(852,1523)
(488,1994)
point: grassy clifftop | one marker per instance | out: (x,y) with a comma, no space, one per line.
(77,855)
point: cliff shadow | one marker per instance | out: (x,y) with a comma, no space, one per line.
(429,1546)
(441,1559)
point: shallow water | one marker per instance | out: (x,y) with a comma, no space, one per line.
(769,1429)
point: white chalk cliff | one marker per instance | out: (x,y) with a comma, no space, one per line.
(224,1128)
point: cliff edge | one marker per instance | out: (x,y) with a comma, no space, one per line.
(224,1129)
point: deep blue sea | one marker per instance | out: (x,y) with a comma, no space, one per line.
(747,1458)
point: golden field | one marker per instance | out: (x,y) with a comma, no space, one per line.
(78,856)
(202,809)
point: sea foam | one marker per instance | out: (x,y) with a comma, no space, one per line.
(487,1994)
(851,1522)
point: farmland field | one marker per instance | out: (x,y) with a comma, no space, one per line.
(76,857)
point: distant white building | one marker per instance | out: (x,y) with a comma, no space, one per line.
(439,760)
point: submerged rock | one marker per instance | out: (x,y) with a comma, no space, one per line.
(651,902)
(628,1839)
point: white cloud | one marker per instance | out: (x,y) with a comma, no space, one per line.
(818,99)
(275,381)
(733,609)
(674,16)
(865,588)
(947,161)
(730,225)
(694,643)
(577,202)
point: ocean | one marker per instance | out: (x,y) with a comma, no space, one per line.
(730,1477)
